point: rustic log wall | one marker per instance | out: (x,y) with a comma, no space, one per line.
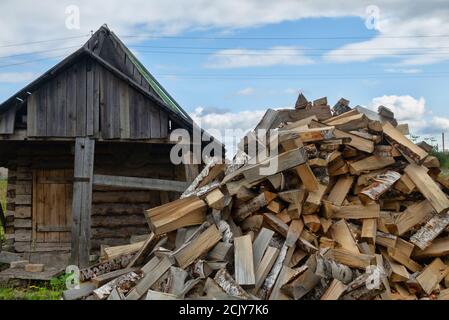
(117,213)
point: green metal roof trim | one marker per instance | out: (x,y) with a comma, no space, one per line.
(162,93)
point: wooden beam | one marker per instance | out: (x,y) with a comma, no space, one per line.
(191,167)
(412,216)
(425,235)
(139,183)
(304,171)
(428,187)
(438,248)
(265,265)
(370,163)
(334,291)
(275,164)
(342,234)
(244,264)
(354,260)
(340,190)
(399,141)
(432,275)
(356,142)
(260,244)
(82,201)
(176,214)
(357,212)
(196,247)
(150,278)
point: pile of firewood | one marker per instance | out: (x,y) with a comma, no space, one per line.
(351,209)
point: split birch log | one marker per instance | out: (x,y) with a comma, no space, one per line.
(228,284)
(424,236)
(104,291)
(253,205)
(381,184)
(198,181)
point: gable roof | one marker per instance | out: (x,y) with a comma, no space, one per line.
(157,92)
(160,90)
(110,59)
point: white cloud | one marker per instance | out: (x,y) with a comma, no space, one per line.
(398,23)
(414,112)
(246,91)
(240,58)
(47,20)
(405,108)
(16,77)
(245,120)
(403,70)
(228,127)
(440,123)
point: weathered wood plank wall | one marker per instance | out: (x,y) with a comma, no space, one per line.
(7,120)
(88,100)
(82,201)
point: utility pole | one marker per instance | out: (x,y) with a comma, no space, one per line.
(442,140)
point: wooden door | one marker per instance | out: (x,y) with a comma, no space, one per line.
(52,205)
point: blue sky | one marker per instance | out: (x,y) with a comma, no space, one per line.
(226,62)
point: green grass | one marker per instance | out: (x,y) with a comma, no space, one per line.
(443,157)
(42,290)
(3,193)
(30,293)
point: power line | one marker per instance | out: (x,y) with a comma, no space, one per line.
(37,52)
(336,77)
(42,41)
(284,49)
(152,36)
(230,48)
(293,74)
(294,55)
(31,61)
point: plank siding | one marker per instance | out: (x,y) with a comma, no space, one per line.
(60,106)
(90,98)
(124,112)
(81,100)
(31,108)
(71,114)
(87,100)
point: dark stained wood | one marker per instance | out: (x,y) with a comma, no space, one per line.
(71,114)
(81,100)
(87,98)
(139,183)
(82,201)
(7,120)
(32,103)
(90,97)
(155,122)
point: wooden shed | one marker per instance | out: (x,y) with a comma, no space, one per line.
(87,150)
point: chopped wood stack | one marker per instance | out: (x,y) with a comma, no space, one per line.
(352,209)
